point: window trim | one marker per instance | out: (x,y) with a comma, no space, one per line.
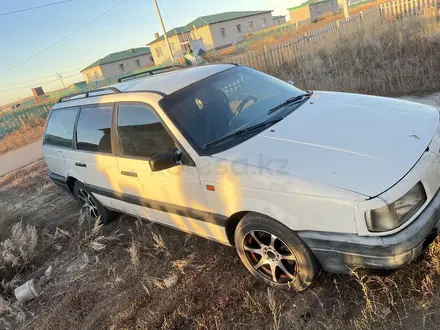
(186,156)
(74,128)
(75,142)
(223,32)
(137,63)
(238,26)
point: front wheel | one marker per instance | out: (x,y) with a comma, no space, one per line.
(275,254)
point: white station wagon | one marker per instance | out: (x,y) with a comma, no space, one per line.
(296,181)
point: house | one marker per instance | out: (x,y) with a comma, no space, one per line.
(224,29)
(311,10)
(209,32)
(116,64)
(179,39)
(278,20)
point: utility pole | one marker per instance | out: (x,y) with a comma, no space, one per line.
(346,12)
(60,77)
(164,31)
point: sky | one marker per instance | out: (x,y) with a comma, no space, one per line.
(127,24)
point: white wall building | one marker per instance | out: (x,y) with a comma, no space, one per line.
(224,29)
(119,63)
(215,31)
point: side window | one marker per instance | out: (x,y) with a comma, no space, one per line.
(93,132)
(59,132)
(141,134)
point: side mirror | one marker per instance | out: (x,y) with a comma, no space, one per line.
(165,161)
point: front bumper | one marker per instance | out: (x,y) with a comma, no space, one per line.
(340,253)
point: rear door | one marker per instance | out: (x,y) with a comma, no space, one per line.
(58,139)
(95,157)
(173,196)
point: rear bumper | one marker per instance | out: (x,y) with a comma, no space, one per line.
(338,253)
(60,181)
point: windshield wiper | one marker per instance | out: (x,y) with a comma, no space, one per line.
(289,101)
(243,132)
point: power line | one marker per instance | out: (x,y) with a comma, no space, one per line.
(61,78)
(163,8)
(45,83)
(32,8)
(37,79)
(164,30)
(62,39)
(284,3)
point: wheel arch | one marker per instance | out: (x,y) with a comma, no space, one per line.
(71,184)
(234,219)
(231,225)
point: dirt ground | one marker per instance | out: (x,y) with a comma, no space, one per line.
(133,274)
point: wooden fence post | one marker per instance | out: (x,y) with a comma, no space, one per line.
(266,54)
(306,36)
(338,28)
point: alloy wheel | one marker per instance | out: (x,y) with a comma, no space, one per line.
(270,257)
(88,203)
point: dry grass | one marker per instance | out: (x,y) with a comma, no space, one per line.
(19,250)
(93,239)
(133,250)
(268,36)
(385,59)
(26,178)
(20,138)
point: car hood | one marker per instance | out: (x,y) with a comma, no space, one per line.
(361,143)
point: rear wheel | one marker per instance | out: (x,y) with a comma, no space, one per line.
(91,205)
(274,253)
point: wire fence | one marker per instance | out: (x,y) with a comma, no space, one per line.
(37,114)
(13,121)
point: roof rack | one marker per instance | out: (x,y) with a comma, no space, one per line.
(88,94)
(151,72)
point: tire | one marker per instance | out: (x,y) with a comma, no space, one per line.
(93,206)
(264,244)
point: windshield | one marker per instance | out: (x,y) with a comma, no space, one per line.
(227,102)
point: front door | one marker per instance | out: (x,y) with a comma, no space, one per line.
(173,196)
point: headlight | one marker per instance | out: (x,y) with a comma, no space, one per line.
(397,213)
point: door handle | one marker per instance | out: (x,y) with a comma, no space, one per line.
(127,173)
(80,164)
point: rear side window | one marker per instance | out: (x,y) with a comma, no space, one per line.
(59,131)
(93,132)
(141,134)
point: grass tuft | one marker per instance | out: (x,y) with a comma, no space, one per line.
(19,250)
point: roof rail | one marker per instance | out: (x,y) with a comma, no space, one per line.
(151,72)
(88,94)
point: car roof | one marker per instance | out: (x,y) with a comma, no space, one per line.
(163,84)
(172,81)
